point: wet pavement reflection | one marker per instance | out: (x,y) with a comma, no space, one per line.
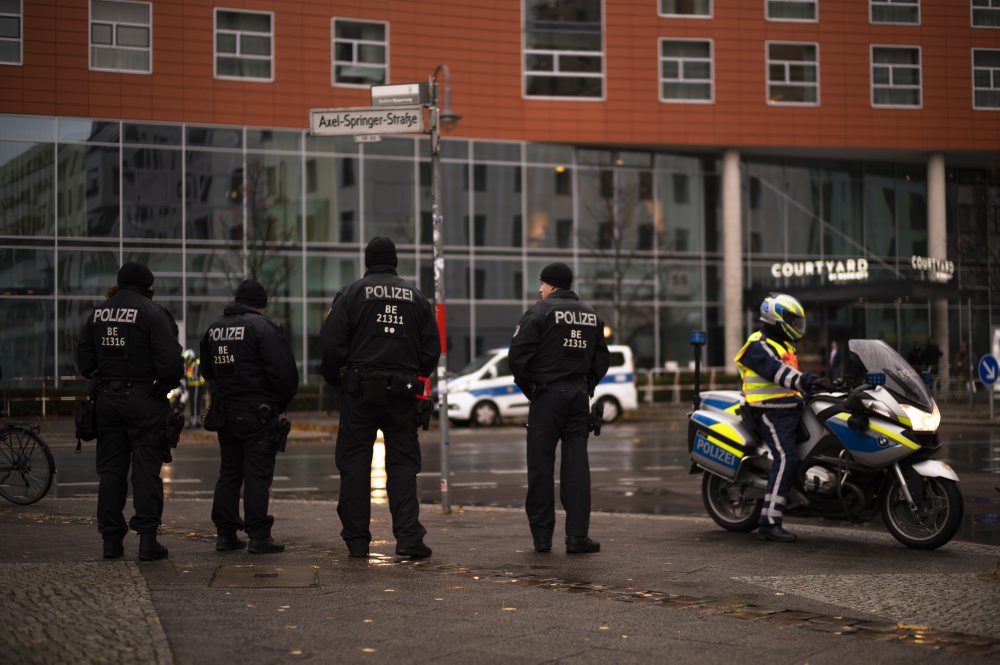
(638,465)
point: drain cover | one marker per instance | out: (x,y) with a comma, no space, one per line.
(262,577)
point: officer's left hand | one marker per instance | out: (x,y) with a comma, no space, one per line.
(820,384)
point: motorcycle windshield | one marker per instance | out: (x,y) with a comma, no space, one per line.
(905,383)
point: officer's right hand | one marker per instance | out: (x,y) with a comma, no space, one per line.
(820,384)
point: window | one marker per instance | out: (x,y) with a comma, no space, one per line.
(244,45)
(120,36)
(10,32)
(986,13)
(686,8)
(792,10)
(986,78)
(563,49)
(895,11)
(686,71)
(896,76)
(360,52)
(792,73)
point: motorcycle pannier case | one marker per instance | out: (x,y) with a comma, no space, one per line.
(718,441)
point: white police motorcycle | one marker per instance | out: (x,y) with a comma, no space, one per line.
(864,450)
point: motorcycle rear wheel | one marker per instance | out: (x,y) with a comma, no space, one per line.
(936,520)
(726,504)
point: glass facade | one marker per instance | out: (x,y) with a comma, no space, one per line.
(204,206)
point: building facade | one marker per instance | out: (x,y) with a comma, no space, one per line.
(684,156)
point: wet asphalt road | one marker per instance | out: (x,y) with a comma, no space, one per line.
(638,465)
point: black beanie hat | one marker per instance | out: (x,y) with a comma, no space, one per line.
(135,274)
(250,292)
(380,252)
(558,275)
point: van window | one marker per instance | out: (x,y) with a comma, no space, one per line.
(503,367)
(617,358)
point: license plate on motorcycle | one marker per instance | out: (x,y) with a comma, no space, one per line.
(712,453)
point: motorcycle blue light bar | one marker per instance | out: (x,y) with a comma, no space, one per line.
(698,337)
(875,379)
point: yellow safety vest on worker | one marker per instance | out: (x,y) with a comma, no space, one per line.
(756,388)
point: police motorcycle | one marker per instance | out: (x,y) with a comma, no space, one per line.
(864,449)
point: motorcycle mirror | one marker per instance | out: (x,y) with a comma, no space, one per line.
(875,379)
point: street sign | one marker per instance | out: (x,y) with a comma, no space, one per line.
(989,369)
(401,94)
(366,120)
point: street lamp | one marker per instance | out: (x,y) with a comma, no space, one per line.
(439,118)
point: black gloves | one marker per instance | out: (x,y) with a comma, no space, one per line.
(819,384)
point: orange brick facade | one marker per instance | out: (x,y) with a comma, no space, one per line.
(481,43)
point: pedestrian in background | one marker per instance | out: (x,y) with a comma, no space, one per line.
(128,347)
(253,377)
(193,380)
(379,343)
(558,355)
(834,362)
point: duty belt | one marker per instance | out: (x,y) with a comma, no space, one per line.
(394,383)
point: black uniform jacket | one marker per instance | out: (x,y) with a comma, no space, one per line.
(128,337)
(248,360)
(380,321)
(560,337)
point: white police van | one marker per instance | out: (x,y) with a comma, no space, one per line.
(483,393)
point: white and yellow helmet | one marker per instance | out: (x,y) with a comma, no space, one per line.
(785,312)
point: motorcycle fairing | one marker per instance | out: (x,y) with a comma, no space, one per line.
(719,442)
(880,445)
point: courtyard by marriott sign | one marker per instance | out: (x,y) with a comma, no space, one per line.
(843,270)
(938,270)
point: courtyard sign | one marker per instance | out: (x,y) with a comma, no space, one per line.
(845,270)
(938,270)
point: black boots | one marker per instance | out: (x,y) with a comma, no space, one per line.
(581,545)
(266,545)
(775,533)
(358,548)
(113,549)
(149,549)
(227,541)
(415,550)
(543,544)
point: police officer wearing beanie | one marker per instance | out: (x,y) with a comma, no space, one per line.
(378,339)
(252,373)
(558,355)
(129,347)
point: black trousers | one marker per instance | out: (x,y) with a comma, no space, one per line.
(559,413)
(778,428)
(359,423)
(247,464)
(129,428)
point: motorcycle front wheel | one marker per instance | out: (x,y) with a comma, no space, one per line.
(726,503)
(936,519)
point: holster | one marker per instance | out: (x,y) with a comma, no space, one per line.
(86,421)
(596,418)
(215,417)
(276,431)
(173,425)
(423,414)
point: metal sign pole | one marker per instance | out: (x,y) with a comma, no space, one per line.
(439,299)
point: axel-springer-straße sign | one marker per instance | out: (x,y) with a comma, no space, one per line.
(350,121)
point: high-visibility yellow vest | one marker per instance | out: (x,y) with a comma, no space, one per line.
(757,389)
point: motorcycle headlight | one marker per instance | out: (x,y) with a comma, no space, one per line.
(920,420)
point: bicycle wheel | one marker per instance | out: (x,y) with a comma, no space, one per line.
(26,466)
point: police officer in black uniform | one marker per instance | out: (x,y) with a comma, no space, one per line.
(377,341)
(251,369)
(558,355)
(129,348)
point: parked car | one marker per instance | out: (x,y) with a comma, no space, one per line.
(483,393)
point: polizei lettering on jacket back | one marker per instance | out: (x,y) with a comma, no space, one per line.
(575,318)
(226,333)
(386,292)
(115,315)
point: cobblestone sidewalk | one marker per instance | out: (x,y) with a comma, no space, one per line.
(79,612)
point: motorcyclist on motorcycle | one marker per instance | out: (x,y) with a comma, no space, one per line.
(773,390)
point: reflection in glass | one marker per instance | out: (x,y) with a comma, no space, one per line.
(152,198)
(214,195)
(454,205)
(26,271)
(328,274)
(26,182)
(332,214)
(87,272)
(550,207)
(26,347)
(166,266)
(389,200)
(88,191)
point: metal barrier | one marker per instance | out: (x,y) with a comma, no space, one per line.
(650,386)
(44,398)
